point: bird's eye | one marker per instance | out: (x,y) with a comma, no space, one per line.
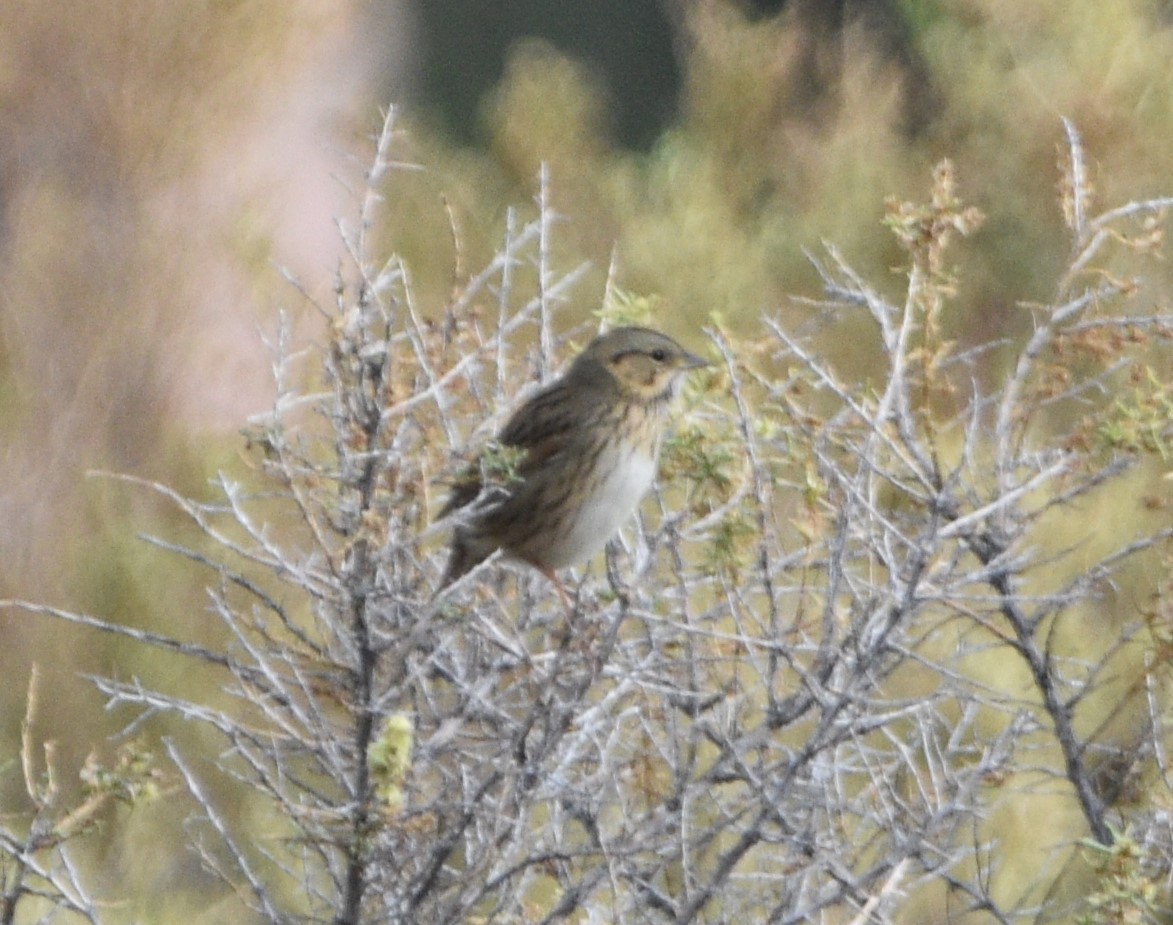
(659,355)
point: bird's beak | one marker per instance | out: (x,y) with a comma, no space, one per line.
(692,361)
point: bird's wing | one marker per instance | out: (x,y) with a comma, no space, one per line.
(542,427)
(464,492)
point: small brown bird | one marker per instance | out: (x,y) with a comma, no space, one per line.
(590,443)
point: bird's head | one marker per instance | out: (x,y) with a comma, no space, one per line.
(645,364)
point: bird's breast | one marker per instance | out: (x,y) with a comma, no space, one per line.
(621,478)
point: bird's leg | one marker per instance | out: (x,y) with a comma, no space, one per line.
(557,582)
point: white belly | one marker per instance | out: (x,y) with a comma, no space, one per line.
(610,505)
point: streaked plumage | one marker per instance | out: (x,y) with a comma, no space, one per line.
(591,440)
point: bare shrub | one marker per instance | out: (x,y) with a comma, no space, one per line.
(852,629)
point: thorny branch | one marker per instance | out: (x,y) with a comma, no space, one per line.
(770,708)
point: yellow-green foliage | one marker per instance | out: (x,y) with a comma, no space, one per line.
(717,215)
(1127,892)
(390,759)
(118,231)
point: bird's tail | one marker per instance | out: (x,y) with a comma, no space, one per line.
(463,557)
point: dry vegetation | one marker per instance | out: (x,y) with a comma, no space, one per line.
(808,685)
(891,643)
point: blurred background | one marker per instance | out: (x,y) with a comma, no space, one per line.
(160,161)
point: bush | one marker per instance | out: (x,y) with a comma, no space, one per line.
(866,630)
